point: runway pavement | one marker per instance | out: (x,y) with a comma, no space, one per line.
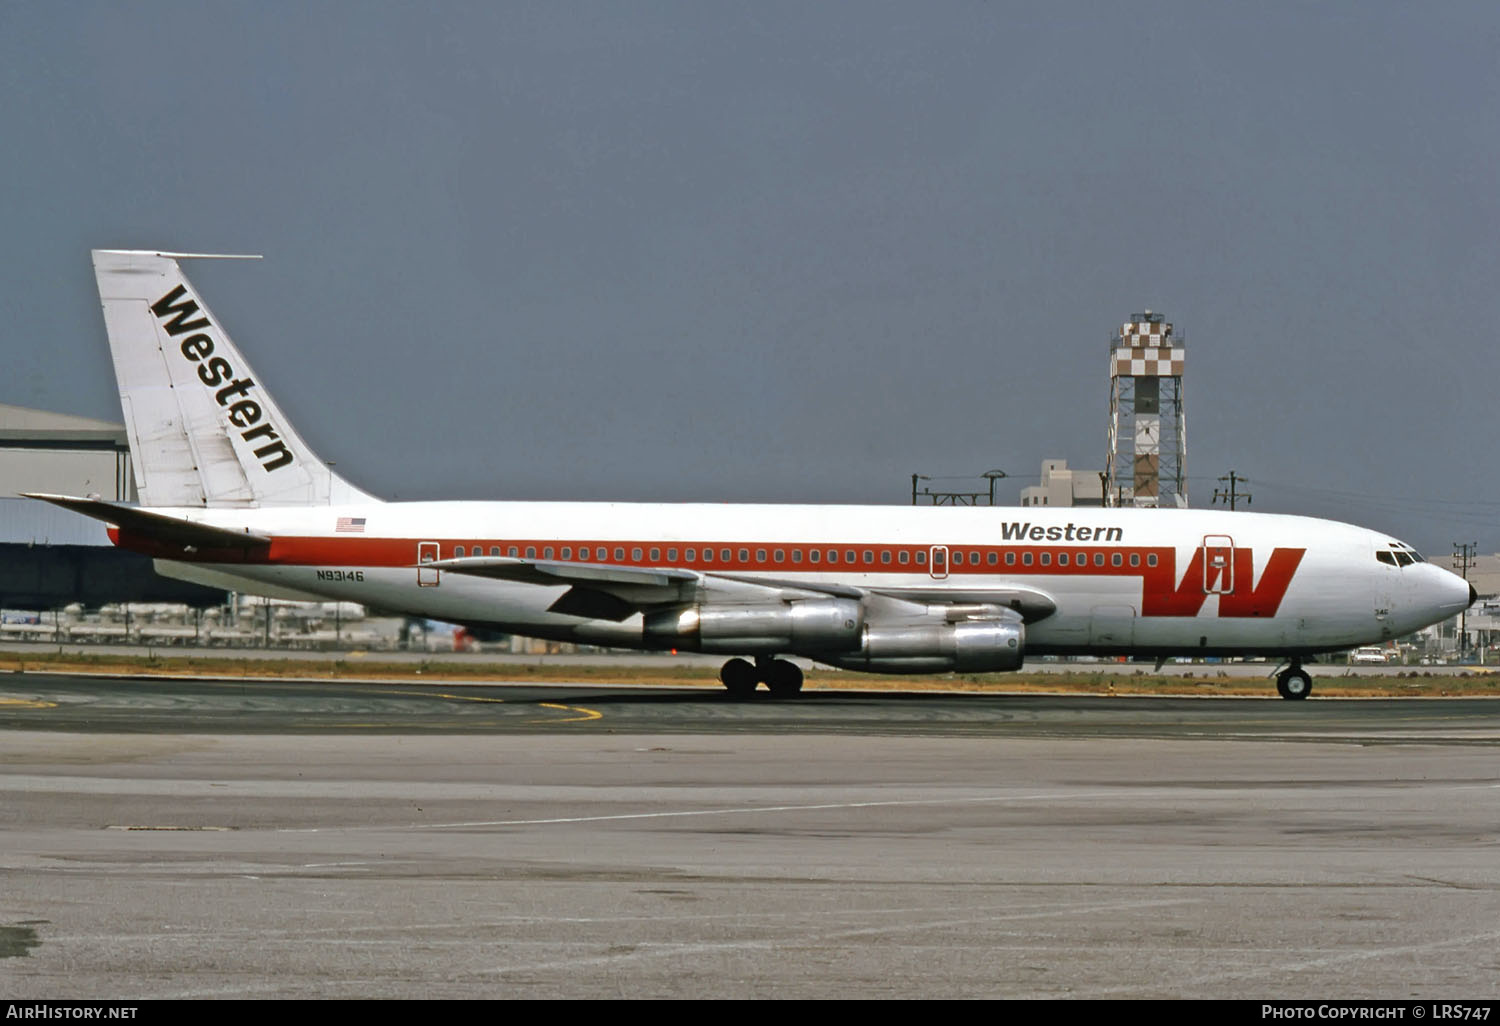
(335,840)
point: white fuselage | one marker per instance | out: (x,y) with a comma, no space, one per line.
(1121,581)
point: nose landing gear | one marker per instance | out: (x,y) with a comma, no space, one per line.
(1294,682)
(782,677)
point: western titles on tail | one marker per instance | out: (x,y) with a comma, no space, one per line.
(203,429)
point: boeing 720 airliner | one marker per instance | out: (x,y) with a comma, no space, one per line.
(231,496)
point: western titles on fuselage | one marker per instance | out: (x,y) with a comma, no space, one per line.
(1016,530)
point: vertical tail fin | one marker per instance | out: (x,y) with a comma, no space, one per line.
(203,430)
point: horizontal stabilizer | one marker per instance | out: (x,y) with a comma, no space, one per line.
(156,526)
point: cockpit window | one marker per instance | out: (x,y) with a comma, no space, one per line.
(1399,554)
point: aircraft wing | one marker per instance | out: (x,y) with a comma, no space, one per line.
(615,592)
(534,571)
(598,591)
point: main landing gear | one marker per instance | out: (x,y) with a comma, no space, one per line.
(740,677)
(1294,682)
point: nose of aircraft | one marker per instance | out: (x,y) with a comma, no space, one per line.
(1442,593)
(1452,594)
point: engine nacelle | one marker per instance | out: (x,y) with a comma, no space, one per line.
(970,646)
(808,625)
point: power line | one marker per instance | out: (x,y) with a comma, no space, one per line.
(1232,495)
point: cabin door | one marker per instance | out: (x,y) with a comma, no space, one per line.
(1218,564)
(427,552)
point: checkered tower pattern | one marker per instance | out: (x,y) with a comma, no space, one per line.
(1146,350)
(1146,367)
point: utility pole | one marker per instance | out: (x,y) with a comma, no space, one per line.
(992,476)
(957,498)
(1463,559)
(1232,495)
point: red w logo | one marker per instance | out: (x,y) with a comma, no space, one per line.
(1164,595)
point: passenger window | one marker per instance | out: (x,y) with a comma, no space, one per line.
(1115,560)
(885,555)
(1098,559)
(991,558)
(1135,559)
(1046,559)
(635,554)
(760,555)
(619,554)
(690,555)
(869,556)
(744,555)
(531,552)
(922,557)
(547,552)
(813,555)
(656,555)
(1010,559)
(796,555)
(458,550)
(583,553)
(849,556)
(671,555)
(833,555)
(903,556)
(1151,559)
(494,550)
(512,552)
(1062,559)
(1025,559)
(780,555)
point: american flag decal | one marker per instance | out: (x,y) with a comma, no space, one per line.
(350,525)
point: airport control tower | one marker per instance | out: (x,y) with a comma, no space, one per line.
(1147,460)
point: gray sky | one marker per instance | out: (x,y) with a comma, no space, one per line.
(788,252)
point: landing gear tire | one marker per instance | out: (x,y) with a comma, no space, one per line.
(1294,683)
(739,677)
(784,678)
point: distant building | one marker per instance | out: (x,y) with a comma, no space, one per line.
(51,558)
(42,451)
(1483,617)
(1063,487)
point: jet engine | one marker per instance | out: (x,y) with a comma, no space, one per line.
(806,625)
(970,646)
